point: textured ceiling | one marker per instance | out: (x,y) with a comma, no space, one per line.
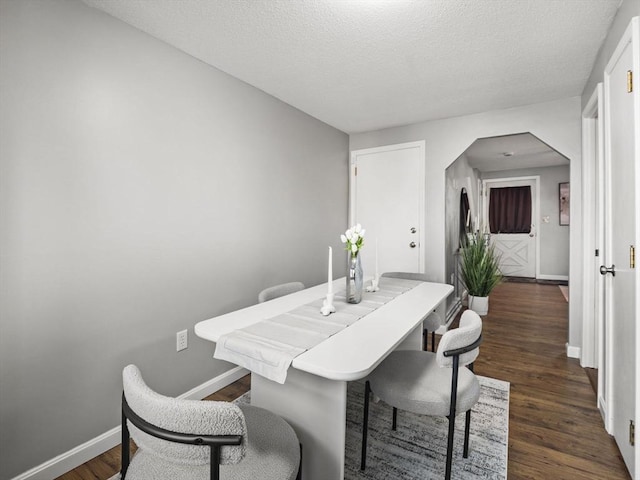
(512,152)
(361,65)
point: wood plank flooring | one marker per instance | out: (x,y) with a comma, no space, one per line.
(555,429)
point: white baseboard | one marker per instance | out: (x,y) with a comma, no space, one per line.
(564,278)
(100,444)
(573,352)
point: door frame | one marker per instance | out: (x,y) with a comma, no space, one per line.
(594,352)
(420,145)
(535,217)
(635,38)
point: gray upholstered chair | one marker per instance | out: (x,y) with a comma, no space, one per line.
(279,291)
(432,322)
(197,440)
(428,383)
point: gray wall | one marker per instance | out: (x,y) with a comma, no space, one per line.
(458,175)
(554,238)
(141,191)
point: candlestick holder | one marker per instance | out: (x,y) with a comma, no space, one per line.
(374,285)
(327,305)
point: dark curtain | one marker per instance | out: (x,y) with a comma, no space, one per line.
(464,212)
(510,210)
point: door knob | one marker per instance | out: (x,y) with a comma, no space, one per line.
(604,270)
(412,244)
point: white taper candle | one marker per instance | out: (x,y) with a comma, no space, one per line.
(376,260)
(330,273)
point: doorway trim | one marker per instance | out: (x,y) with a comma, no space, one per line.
(420,145)
(594,352)
(535,179)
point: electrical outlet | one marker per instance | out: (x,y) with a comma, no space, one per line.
(181,340)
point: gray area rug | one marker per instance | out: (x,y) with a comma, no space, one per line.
(418,448)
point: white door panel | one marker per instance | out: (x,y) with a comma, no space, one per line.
(517,254)
(621,212)
(388,184)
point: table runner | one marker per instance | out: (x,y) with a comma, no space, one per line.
(268,347)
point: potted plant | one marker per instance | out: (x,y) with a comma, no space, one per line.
(480,271)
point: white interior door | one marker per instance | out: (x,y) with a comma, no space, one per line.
(518,251)
(387,198)
(621,218)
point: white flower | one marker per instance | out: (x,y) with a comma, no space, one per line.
(354,238)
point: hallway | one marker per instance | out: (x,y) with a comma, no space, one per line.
(555,429)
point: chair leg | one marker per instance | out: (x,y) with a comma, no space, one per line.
(433,341)
(467,424)
(452,423)
(125,447)
(394,422)
(299,476)
(452,416)
(214,469)
(365,425)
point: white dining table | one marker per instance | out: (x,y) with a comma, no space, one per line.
(313,398)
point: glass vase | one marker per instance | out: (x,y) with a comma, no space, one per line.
(355,279)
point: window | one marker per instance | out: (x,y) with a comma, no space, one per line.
(510,210)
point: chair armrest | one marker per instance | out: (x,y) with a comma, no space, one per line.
(459,351)
(177,437)
(215,442)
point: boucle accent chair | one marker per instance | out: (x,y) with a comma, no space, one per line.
(279,291)
(196,440)
(432,322)
(430,383)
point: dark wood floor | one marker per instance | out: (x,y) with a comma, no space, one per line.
(555,429)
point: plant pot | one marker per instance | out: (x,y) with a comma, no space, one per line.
(480,305)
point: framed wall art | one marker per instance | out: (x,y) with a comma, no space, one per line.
(564,203)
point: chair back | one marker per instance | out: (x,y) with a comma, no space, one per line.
(406,275)
(183,416)
(279,291)
(466,334)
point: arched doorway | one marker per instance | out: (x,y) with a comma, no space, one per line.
(515,157)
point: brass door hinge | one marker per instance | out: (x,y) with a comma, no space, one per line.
(632,256)
(632,433)
(629,81)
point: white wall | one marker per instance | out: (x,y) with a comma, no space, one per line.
(557,123)
(141,191)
